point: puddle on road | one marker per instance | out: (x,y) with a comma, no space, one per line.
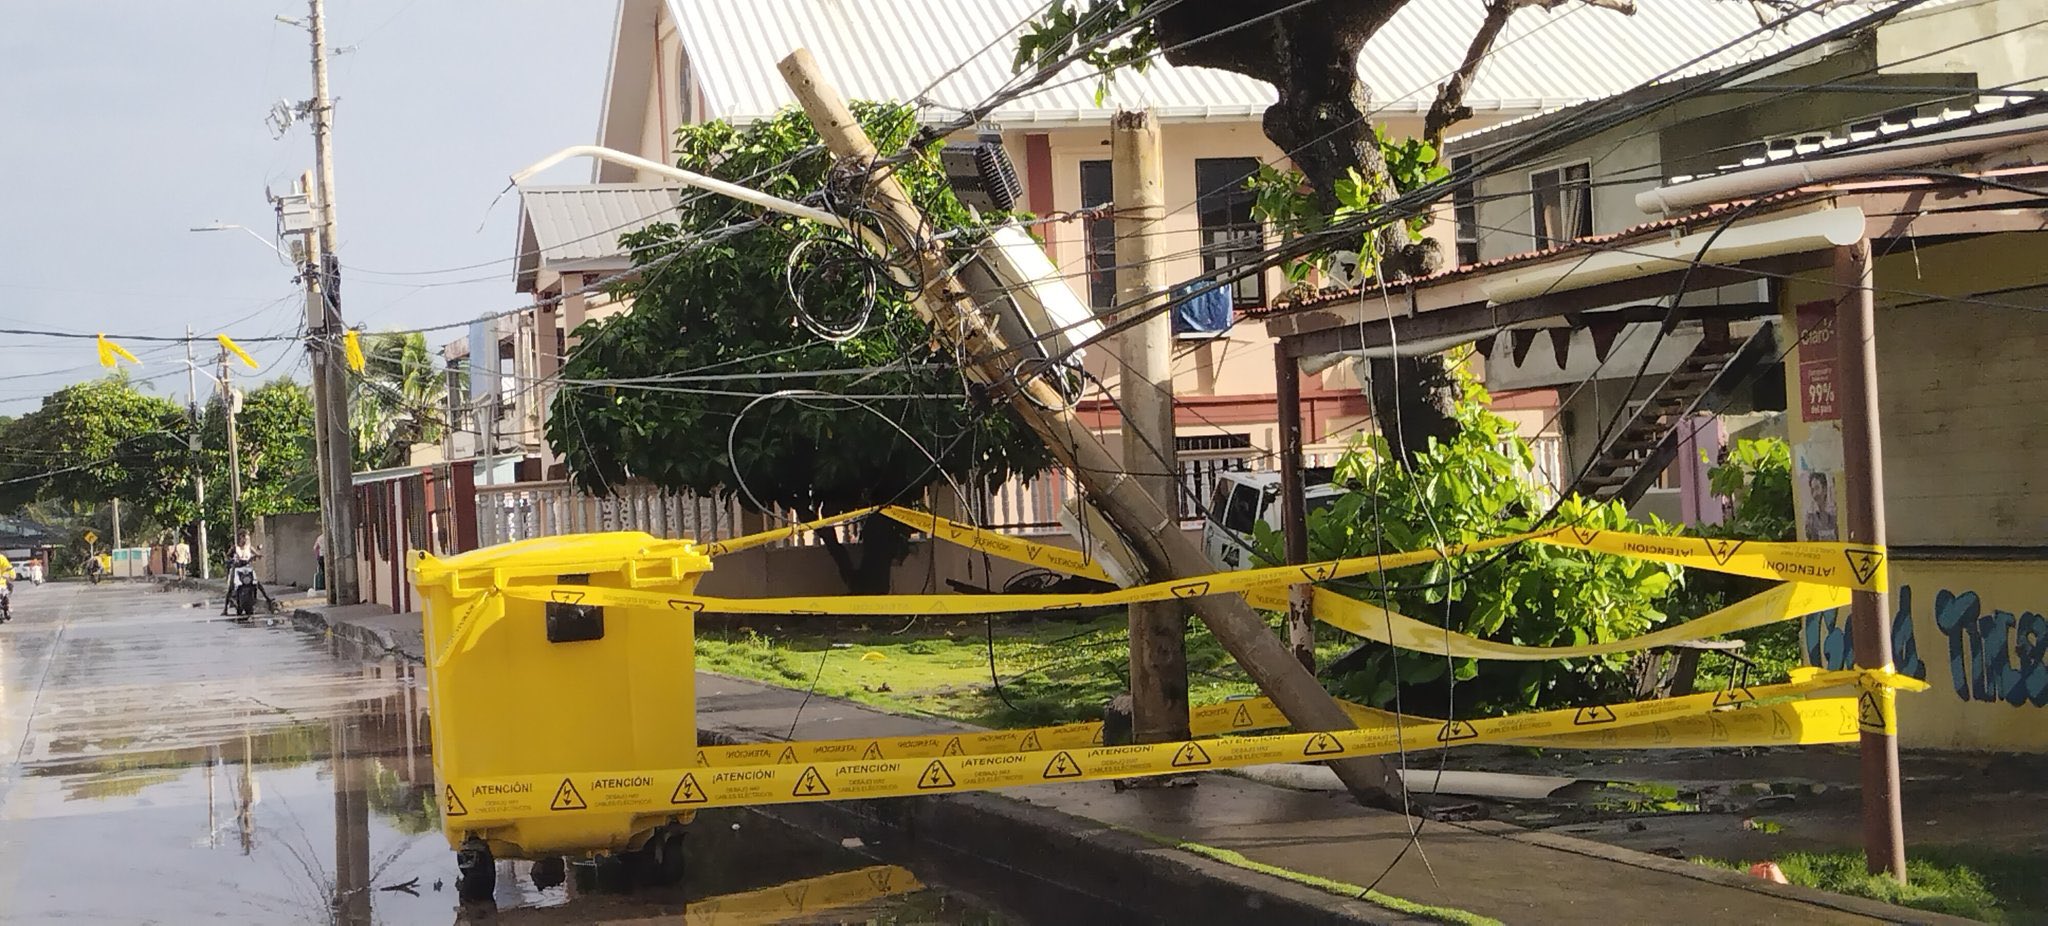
(1598,801)
(244,823)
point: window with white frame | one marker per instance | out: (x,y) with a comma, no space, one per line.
(1561,201)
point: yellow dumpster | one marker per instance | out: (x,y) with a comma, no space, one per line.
(557,687)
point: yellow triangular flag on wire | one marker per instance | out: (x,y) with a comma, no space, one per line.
(110,350)
(352,350)
(236,349)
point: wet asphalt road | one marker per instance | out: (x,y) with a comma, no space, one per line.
(161,764)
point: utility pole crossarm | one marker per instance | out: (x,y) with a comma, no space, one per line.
(1154,534)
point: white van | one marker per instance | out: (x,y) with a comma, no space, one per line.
(1243,499)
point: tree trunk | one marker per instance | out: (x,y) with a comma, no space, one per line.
(1310,54)
(882,545)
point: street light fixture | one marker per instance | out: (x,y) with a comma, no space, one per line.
(229,226)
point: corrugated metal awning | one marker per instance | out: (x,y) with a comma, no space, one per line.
(565,228)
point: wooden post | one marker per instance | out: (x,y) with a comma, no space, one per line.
(1154,534)
(1159,657)
(1301,619)
(1884,841)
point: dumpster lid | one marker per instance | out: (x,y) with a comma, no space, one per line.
(644,558)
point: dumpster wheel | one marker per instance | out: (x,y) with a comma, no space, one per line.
(476,873)
(659,861)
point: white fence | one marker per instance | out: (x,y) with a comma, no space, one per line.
(543,509)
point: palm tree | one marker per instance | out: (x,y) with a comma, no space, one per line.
(397,400)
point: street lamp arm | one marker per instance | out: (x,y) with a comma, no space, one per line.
(687,178)
(224,226)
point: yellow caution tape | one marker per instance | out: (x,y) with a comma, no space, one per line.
(1842,565)
(228,344)
(109,350)
(1072,562)
(1784,602)
(512,797)
(784,902)
(750,541)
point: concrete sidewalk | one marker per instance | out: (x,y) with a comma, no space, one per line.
(1491,869)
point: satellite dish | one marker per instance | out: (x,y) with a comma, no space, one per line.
(282,115)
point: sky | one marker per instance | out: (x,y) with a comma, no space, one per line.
(125,123)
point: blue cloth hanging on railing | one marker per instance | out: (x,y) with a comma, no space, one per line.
(1201,307)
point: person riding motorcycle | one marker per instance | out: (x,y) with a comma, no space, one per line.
(243,586)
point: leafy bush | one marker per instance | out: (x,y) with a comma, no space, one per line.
(1477,486)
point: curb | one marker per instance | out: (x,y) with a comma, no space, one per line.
(1055,863)
(375,641)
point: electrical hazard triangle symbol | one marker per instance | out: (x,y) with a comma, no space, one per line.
(701,760)
(794,895)
(1455,730)
(1190,590)
(1731,696)
(1243,717)
(1062,766)
(788,756)
(1780,730)
(1864,563)
(1588,716)
(1029,743)
(1190,755)
(874,751)
(952,747)
(1319,572)
(1096,740)
(1719,730)
(935,776)
(454,804)
(566,797)
(1870,713)
(1848,725)
(880,876)
(1322,744)
(1660,733)
(810,784)
(1722,550)
(1031,551)
(687,791)
(1584,534)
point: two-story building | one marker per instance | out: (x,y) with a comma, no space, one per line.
(680,61)
(1938,62)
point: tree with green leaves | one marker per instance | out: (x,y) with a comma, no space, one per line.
(398,400)
(1478,485)
(100,440)
(713,313)
(274,431)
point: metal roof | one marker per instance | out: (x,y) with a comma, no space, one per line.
(578,227)
(894,49)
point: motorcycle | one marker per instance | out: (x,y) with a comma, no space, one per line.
(243,589)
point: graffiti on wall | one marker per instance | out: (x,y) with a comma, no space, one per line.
(1994,655)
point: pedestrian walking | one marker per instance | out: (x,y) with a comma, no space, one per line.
(181,559)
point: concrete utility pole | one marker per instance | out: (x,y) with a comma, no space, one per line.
(198,476)
(324,332)
(1154,533)
(1159,656)
(117,525)
(1884,839)
(227,407)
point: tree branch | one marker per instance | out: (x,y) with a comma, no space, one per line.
(1449,108)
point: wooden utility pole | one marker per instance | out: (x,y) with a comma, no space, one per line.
(1159,655)
(1884,840)
(1153,533)
(229,410)
(1301,618)
(324,333)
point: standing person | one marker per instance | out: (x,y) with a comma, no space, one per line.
(320,561)
(181,559)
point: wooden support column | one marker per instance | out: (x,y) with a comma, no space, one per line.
(1884,841)
(1301,621)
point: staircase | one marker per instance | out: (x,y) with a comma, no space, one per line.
(1633,460)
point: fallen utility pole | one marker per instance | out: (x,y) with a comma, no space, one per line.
(1884,839)
(1153,533)
(1159,653)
